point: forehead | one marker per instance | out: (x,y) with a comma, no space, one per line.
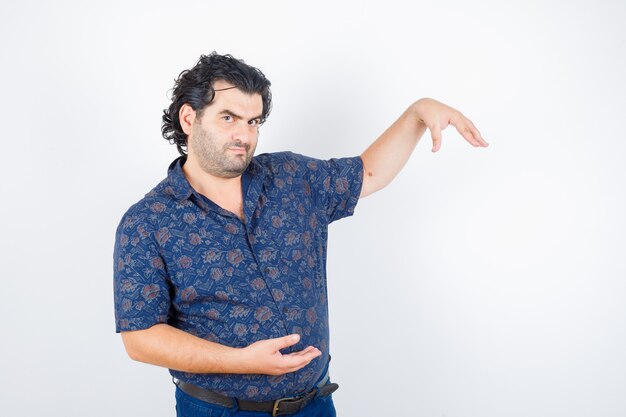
(235,100)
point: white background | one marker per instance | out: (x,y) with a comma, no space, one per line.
(481,282)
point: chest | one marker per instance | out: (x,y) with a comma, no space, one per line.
(280,248)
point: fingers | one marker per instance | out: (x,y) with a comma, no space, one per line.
(435,133)
(285,341)
(437,116)
(305,351)
(469,132)
(264,356)
(477,134)
(298,360)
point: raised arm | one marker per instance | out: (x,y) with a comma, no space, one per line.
(167,346)
(384,158)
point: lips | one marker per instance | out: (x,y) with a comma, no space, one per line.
(238,148)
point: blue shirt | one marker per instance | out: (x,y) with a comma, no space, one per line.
(181,259)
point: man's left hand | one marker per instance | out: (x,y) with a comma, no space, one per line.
(436,116)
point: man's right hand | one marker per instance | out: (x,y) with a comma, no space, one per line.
(264,357)
(172,348)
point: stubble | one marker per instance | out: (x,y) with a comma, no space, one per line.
(217,160)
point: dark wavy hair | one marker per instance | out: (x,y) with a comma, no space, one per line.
(195,87)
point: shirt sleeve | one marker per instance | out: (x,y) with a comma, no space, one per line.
(335,184)
(140,281)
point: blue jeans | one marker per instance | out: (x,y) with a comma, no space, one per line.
(187,406)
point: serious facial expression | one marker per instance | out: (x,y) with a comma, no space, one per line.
(224,138)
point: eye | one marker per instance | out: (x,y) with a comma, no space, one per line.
(254,122)
(227,118)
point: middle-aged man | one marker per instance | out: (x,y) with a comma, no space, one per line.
(220,270)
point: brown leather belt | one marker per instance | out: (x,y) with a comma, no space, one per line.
(278,407)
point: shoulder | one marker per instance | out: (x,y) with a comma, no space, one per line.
(286,163)
(143,216)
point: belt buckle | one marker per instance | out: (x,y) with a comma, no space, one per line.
(278,401)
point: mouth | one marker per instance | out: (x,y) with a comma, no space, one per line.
(240,150)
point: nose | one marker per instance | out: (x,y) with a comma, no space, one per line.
(244,132)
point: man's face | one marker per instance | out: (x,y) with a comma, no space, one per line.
(224,139)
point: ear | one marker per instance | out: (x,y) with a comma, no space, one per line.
(186,117)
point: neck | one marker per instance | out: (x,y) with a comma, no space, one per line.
(225,192)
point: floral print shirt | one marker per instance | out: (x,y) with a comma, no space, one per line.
(181,259)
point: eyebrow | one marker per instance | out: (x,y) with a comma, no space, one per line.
(230,113)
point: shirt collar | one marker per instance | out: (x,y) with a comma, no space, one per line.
(179,188)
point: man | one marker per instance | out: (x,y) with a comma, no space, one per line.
(220,270)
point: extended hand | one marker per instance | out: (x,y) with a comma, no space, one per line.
(437,116)
(264,356)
